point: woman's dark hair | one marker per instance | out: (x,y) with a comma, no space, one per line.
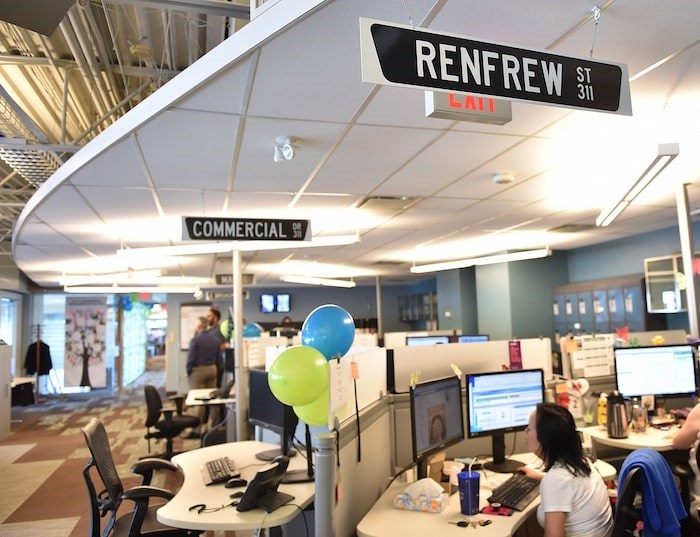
(558,438)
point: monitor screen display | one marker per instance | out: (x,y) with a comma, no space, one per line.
(662,371)
(283,303)
(501,402)
(268,412)
(412,341)
(267,303)
(437,418)
(472,339)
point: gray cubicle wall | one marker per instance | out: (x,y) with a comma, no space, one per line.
(435,361)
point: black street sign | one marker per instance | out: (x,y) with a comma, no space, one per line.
(200,228)
(414,57)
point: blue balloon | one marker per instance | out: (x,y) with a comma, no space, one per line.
(252,330)
(329,329)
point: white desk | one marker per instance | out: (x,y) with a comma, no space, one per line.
(176,512)
(384,520)
(653,438)
(199,397)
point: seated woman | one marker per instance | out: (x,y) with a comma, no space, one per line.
(574,498)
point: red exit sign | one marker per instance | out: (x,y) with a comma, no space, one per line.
(467,107)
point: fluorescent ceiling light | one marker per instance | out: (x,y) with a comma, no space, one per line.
(243,246)
(328,282)
(135,276)
(666,153)
(117,289)
(485,260)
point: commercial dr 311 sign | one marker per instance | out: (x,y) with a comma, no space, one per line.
(398,55)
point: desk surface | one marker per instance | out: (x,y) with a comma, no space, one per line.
(176,512)
(653,438)
(199,396)
(383,519)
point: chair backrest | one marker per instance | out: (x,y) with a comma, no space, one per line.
(98,443)
(646,473)
(626,514)
(154,405)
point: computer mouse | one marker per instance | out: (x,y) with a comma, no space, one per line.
(236,482)
(238,494)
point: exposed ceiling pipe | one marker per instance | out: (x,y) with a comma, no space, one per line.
(97,38)
(93,78)
(75,50)
(115,48)
(168,40)
(101,95)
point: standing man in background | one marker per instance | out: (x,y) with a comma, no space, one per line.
(214,319)
(202,356)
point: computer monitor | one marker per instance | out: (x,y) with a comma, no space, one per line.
(663,371)
(476,338)
(437,419)
(268,412)
(412,341)
(501,402)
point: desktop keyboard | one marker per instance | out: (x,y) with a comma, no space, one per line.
(516,492)
(219,470)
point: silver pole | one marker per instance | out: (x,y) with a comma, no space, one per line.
(324,501)
(241,363)
(380,324)
(685,228)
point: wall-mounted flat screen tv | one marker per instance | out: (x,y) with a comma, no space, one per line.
(283,303)
(267,303)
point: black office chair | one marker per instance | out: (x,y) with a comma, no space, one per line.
(646,469)
(165,422)
(105,504)
(686,477)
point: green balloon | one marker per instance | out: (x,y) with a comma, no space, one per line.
(315,413)
(299,375)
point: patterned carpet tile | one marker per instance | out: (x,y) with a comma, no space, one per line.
(41,460)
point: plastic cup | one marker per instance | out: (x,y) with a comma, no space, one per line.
(468,492)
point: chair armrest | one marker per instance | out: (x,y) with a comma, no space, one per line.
(179,402)
(140,495)
(146,467)
(167,413)
(141,492)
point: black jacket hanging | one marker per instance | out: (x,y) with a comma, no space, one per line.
(45,364)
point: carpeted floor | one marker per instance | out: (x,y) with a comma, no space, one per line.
(41,460)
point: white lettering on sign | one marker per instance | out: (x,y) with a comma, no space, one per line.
(477,66)
(208,228)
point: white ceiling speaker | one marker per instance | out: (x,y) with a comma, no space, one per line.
(285,148)
(503,178)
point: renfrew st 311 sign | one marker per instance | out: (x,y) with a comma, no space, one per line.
(404,56)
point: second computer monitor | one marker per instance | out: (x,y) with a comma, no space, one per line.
(268,412)
(501,402)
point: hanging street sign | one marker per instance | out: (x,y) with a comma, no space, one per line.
(200,228)
(398,55)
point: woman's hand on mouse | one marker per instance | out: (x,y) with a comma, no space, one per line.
(530,472)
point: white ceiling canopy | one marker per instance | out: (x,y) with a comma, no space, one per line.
(367,162)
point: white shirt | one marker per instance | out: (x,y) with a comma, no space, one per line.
(584,499)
